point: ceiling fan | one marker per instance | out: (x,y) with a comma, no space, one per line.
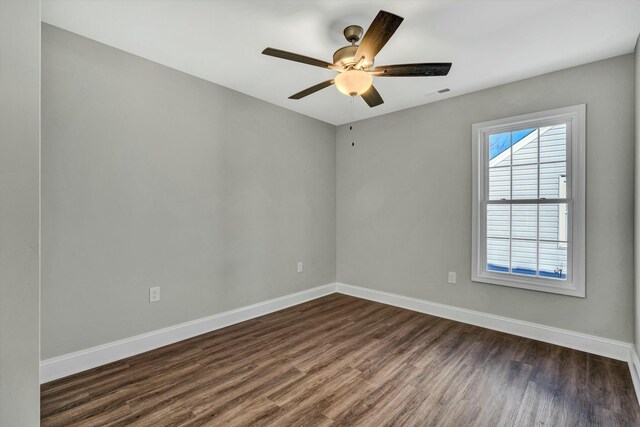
(355,63)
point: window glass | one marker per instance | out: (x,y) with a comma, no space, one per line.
(553,143)
(500,183)
(527,165)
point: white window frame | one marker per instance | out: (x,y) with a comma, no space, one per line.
(563,216)
(575,118)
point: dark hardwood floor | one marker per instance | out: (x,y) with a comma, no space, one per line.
(340,360)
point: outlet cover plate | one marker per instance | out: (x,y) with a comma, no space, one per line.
(452,277)
(154,294)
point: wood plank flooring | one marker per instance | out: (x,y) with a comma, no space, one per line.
(340,360)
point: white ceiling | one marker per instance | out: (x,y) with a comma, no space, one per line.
(489,42)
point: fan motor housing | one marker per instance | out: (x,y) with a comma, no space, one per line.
(345,57)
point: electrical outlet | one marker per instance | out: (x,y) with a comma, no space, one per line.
(300,267)
(154,294)
(452,277)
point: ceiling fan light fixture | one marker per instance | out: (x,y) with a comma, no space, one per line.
(353,82)
(355,62)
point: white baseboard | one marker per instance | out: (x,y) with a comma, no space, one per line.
(634,368)
(72,363)
(79,361)
(592,344)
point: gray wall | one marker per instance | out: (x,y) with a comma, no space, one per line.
(19,212)
(404,200)
(152,177)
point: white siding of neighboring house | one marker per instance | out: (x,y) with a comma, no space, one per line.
(552,255)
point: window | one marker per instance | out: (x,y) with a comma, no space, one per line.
(529,201)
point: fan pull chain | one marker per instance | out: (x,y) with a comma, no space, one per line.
(351,105)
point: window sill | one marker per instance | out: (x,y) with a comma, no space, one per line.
(513,281)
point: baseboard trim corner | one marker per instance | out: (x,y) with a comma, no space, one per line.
(589,343)
(73,363)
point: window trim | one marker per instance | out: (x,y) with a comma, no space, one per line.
(575,117)
(563,223)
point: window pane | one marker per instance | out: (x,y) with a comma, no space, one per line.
(498,220)
(499,144)
(524,257)
(553,180)
(553,260)
(525,182)
(553,143)
(524,223)
(525,146)
(499,183)
(553,222)
(498,255)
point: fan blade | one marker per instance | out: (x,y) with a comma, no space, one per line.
(372,97)
(312,89)
(412,70)
(378,34)
(297,58)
